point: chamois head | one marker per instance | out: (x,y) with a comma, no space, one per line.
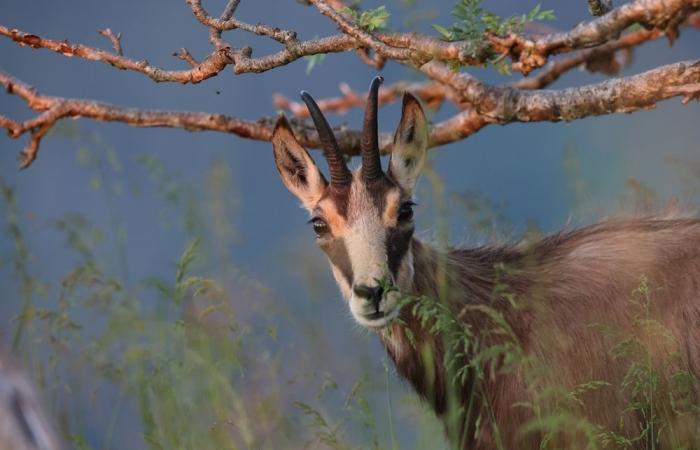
(363,220)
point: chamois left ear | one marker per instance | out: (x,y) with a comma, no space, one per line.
(410,144)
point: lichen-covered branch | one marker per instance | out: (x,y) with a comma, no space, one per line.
(489,104)
(596,59)
(507,104)
(531,53)
(432,93)
(211,65)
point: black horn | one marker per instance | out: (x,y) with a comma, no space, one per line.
(340,174)
(371,164)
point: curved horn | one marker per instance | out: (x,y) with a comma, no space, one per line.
(340,174)
(371,164)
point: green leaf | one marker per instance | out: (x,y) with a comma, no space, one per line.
(444,32)
(187,257)
(313,61)
(473,22)
(371,19)
(374,19)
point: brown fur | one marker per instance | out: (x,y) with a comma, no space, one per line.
(569,287)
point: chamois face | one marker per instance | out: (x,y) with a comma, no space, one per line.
(362,220)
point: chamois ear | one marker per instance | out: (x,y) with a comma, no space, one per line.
(410,144)
(297,169)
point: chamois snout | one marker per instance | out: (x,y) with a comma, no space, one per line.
(372,294)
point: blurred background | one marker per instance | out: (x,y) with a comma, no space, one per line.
(162,287)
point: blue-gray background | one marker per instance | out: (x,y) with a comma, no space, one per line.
(551,175)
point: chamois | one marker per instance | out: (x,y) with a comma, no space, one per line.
(586,310)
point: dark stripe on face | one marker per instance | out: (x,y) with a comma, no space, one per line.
(378,190)
(398,241)
(339,257)
(340,197)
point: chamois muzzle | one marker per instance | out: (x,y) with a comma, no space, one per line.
(340,174)
(369,145)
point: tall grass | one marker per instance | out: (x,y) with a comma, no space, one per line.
(199,354)
(196,354)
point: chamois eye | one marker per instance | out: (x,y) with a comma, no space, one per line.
(406,212)
(320,226)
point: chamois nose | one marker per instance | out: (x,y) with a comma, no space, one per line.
(372,294)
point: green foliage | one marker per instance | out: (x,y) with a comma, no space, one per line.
(370,19)
(313,61)
(173,358)
(183,361)
(473,22)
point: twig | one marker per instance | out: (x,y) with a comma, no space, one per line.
(115,39)
(186,56)
(214,63)
(215,34)
(364,37)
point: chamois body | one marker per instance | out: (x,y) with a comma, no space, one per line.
(570,288)
(583,339)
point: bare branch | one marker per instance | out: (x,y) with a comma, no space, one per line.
(489,104)
(210,66)
(377,61)
(431,93)
(434,93)
(186,56)
(412,49)
(604,52)
(53,109)
(115,39)
(227,22)
(505,104)
(215,34)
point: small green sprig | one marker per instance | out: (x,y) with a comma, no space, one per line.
(473,21)
(370,19)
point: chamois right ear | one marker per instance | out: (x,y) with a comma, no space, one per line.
(297,169)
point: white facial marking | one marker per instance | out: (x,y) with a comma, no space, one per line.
(365,243)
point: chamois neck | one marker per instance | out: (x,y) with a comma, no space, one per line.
(458,275)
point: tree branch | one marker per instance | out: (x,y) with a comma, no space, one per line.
(115,39)
(489,104)
(410,48)
(597,59)
(506,104)
(431,92)
(214,63)
(663,15)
